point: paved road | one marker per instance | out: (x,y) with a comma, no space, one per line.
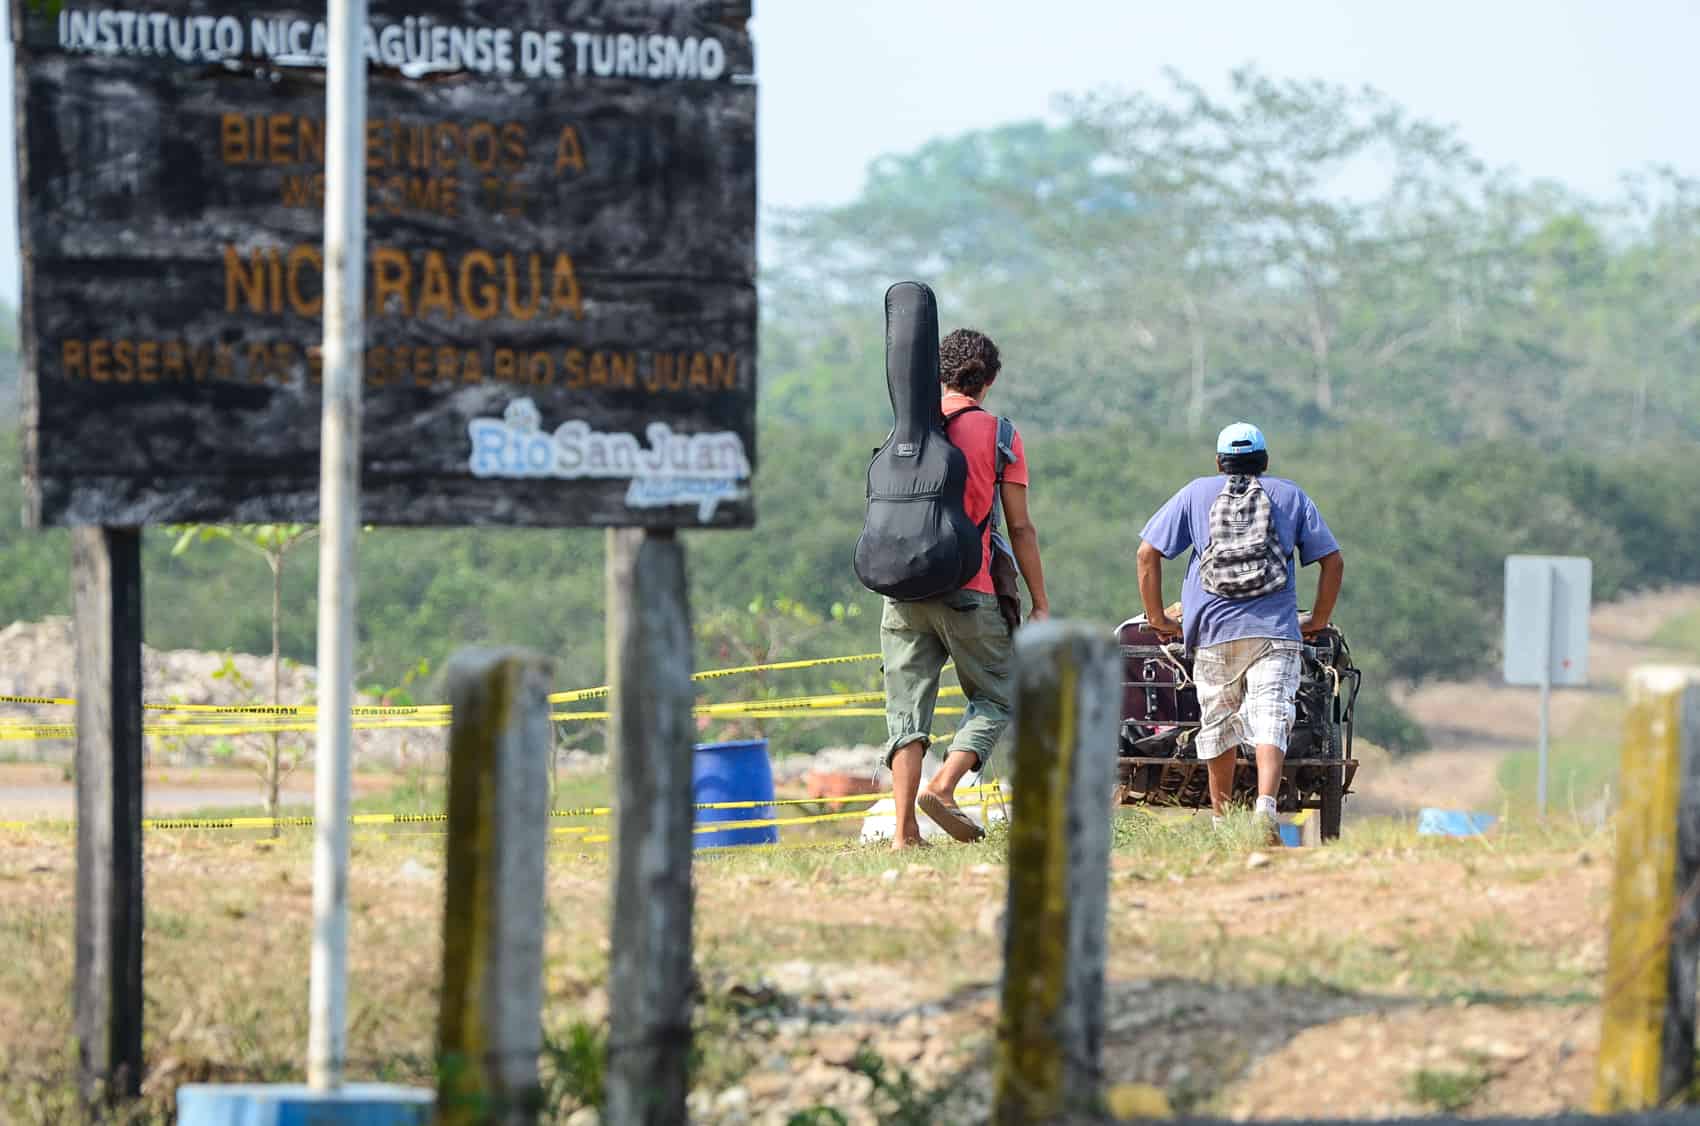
(25,802)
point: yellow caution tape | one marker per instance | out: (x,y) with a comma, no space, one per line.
(825,713)
(167,729)
(69,730)
(38,731)
(368,710)
(360,710)
(828,705)
(430,709)
(302,821)
(778,822)
(735,670)
(786,666)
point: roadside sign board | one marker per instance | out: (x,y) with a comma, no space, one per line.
(1547,600)
(561,305)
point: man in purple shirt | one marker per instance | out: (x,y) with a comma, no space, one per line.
(1240,606)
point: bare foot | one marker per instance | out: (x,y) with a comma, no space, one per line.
(915,841)
(947,815)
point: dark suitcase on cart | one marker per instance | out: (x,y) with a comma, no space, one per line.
(1160,719)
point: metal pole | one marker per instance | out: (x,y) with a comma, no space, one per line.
(339,516)
(1546,691)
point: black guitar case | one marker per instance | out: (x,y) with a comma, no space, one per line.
(917,541)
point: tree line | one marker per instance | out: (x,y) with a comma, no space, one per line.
(1297,251)
(1457,364)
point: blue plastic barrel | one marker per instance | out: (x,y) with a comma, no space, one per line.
(1453,823)
(258,1104)
(733,772)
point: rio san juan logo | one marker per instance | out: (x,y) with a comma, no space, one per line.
(672,469)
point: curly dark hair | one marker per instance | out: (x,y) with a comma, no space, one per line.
(968,361)
(1244,465)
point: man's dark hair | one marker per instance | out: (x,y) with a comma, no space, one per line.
(968,361)
(1244,465)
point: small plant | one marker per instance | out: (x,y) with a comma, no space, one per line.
(818,1116)
(1449,1090)
(573,1068)
(273,543)
(907,1103)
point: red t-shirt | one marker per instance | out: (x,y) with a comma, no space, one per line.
(976,435)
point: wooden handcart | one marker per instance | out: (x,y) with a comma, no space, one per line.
(1160,719)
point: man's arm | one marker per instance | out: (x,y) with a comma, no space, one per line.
(1024,541)
(1151,591)
(1327,593)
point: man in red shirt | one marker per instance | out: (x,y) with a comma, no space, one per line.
(967,626)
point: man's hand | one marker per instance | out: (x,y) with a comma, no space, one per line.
(1164,626)
(1039,613)
(1309,626)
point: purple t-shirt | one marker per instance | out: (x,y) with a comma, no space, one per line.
(1210,619)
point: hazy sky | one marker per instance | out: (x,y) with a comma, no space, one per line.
(1577,90)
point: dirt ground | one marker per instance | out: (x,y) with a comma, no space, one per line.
(1387,974)
(1374,977)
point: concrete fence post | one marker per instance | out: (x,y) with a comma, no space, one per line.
(1646,1055)
(490,1030)
(1067,708)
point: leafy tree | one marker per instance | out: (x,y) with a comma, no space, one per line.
(272,543)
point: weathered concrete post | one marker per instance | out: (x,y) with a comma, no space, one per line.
(1067,707)
(650,729)
(106,594)
(1646,1054)
(490,1029)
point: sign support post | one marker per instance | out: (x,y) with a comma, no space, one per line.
(106,593)
(339,516)
(1546,692)
(1547,602)
(650,731)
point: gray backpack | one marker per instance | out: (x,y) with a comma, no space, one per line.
(1244,557)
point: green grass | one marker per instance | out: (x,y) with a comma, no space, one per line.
(1449,1090)
(1682,634)
(416,793)
(574,1067)
(1581,772)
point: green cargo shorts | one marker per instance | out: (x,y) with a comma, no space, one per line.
(916,639)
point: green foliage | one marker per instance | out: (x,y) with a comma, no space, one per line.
(574,1069)
(1681,634)
(1174,258)
(1449,1090)
(271,541)
(1455,364)
(400,695)
(1581,775)
(900,1099)
(243,684)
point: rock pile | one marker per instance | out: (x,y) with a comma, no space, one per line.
(38,659)
(861,761)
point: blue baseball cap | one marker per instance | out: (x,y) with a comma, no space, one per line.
(1240,438)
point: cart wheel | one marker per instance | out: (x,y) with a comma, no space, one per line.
(1333,801)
